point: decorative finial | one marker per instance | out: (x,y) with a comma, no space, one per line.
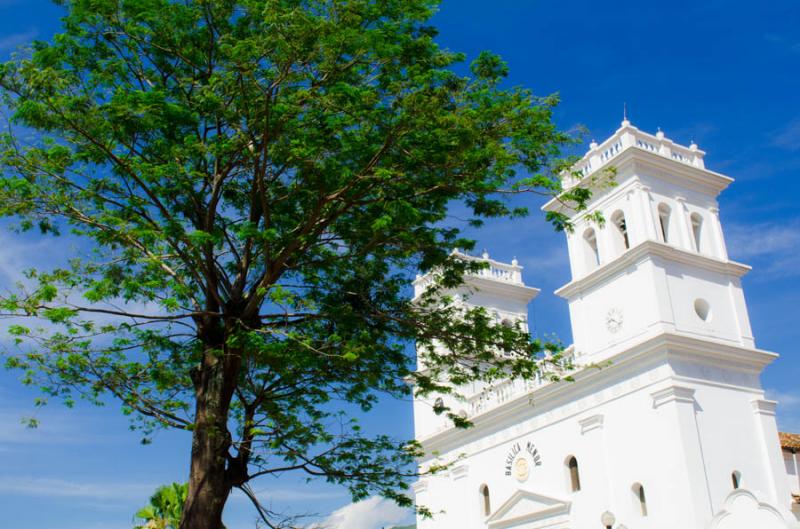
(514,262)
(625,121)
(593,145)
(693,146)
(485,254)
(660,134)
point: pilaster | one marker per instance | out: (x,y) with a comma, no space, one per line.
(458,515)
(647,214)
(688,486)
(765,424)
(597,475)
(719,239)
(682,220)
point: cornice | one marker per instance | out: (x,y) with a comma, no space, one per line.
(697,178)
(764,407)
(593,422)
(516,291)
(644,250)
(661,348)
(672,394)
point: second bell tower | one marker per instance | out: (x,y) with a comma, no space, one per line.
(659,262)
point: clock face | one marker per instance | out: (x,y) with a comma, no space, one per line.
(614,320)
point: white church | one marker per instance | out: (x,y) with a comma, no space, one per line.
(674,431)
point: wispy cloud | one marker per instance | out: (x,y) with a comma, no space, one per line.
(56,426)
(20,253)
(291,495)
(788,137)
(787,44)
(62,488)
(17,39)
(372,513)
(788,409)
(698,132)
(778,244)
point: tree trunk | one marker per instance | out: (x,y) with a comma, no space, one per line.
(208,481)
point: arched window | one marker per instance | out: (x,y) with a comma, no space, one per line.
(487,505)
(639,498)
(620,230)
(697,230)
(590,249)
(664,213)
(736,478)
(574,474)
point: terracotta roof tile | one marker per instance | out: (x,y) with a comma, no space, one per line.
(790,441)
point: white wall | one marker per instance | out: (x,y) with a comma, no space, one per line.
(682,449)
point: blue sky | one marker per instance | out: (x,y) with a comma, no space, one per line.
(721,73)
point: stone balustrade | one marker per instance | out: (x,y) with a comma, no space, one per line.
(497,271)
(628,136)
(495,395)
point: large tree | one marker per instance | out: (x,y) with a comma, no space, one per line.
(257,181)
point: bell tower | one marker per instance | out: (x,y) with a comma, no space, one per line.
(658,263)
(500,290)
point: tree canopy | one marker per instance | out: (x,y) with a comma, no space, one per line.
(258,181)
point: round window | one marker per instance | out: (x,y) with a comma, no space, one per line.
(703,309)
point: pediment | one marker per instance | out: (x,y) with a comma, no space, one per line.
(526,508)
(744,509)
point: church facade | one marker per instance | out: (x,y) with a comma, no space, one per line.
(666,424)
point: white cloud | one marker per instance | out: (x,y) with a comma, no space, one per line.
(55,427)
(780,41)
(785,398)
(289,495)
(372,513)
(61,488)
(16,39)
(779,243)
(789,136)
(26,251)
(20,253)
(788,409)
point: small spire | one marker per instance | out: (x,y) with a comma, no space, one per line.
(625,121)
(660,134)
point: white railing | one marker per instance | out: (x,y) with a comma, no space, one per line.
(497,271)
(510,273)
(628,136)
(495,395)
(421,283)
(611,151)
(646,145)
(508,390)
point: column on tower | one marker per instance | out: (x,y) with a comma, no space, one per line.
(682,218)
(719,239)
(646,214)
